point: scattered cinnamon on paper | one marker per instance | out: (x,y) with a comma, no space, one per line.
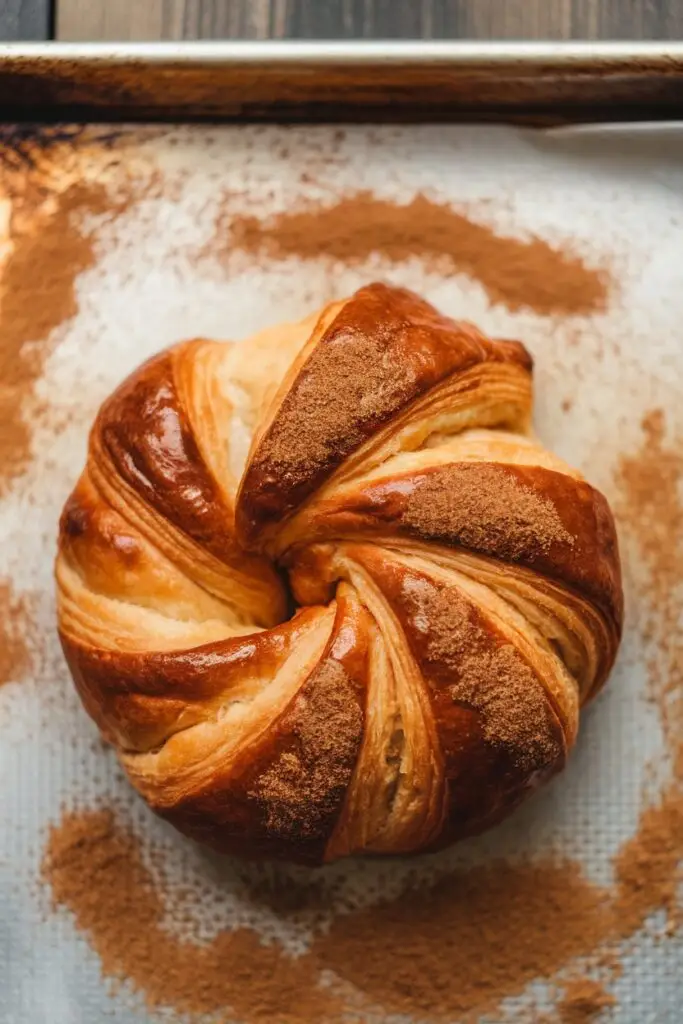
(648,866)
(584,1001)
(55,213)
(520,273)
(15,633)
(455,950)
(50,248)
(95,868)
(458,947)
(650,513)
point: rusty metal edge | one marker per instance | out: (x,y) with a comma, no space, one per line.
(294,81)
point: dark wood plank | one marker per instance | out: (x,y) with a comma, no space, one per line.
(366,19)
(26,20)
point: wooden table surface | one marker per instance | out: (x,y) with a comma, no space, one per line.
(340,19)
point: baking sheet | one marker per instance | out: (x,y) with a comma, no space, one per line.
(161,275)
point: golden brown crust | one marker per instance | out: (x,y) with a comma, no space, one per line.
(140,699)
(461,585)
(384,349)
(554,524)
(283,796)
(147,481)
(498,730)
(144,432)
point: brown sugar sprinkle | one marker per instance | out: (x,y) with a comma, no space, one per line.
(306,784)
(584,1001)
(485,508)
(520,273)
(15,632)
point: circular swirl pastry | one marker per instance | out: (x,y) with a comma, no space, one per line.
(325,593)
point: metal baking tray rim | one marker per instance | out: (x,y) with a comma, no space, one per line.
(360,52)
(318,81)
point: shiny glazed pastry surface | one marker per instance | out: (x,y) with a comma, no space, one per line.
(326,594)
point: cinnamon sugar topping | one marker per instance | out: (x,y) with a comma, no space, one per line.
(493,678)
(343,385)
(385,348)
(482,506)
(304,787)
(513,706)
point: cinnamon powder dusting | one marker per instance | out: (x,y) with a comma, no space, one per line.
(485,508)
(306,784)
(15,632)
(493,678)
(513,707)
(310,431)
(451,951)
(50,248)
(455,951)
(584,1001)
(95,868)
(56,210)
(527,273)
(650,512)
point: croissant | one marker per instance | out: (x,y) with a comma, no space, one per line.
(326,594)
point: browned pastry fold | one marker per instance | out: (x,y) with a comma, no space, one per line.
(458,585)
(381,353)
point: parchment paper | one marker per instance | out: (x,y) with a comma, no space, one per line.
(156,282)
